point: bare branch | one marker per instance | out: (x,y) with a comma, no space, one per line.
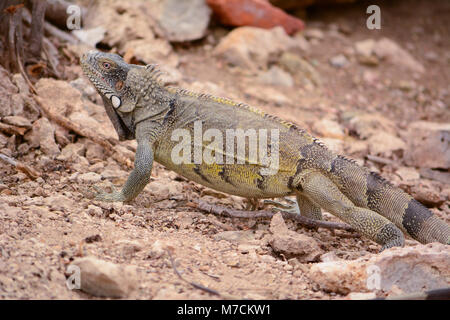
(30,172)
(37,28)
(310,223)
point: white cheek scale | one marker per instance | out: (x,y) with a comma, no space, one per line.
(115,101)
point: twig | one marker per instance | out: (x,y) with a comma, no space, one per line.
(195,285)
(30,172)
(10,129)
(62,35)
(310,223)
(51,52)
(24,74)
(219,224)
(85,132)
(379,159)
(14,21)
(52,30)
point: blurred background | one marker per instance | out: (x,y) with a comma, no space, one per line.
(371,84)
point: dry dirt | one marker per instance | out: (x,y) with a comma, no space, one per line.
(48,222)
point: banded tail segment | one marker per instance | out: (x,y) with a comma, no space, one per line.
(368,189)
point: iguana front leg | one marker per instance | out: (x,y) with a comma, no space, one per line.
(138,178)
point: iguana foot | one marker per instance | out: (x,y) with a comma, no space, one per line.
(291,207)
(108,196)
(390,236)
(252,204)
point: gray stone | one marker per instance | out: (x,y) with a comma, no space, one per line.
(105,279)
(291,243)
(89,177)
(251,48)
(42,134)
(388,50)
(408,270)
(339,61)
(237,237)
(17,121)
(184,20)
(428,145)
(277,77)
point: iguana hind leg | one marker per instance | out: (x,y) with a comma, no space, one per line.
(308,209)
(324,193)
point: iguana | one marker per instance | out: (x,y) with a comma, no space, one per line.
(141,107)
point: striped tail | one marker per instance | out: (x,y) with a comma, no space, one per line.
(369,190)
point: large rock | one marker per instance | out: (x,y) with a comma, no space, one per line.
(292,244)
(384,144)
(390,51)
(367,124)
(184,20)
(42,134)
(251,48)
(59,96)
(131,28)
(63,99)
(256,13)
(152,52)
(105,279)
(428,145)
(371,52)
(123,21)
(411,269)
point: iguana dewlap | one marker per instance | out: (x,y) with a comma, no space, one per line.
(163,119)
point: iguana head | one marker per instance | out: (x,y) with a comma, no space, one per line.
(115,81)
(108,72)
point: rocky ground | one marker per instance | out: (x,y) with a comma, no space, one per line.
(379,96)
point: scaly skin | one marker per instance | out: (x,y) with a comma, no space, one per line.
(141,108)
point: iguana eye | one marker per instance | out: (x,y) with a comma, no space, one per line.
(106,65)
